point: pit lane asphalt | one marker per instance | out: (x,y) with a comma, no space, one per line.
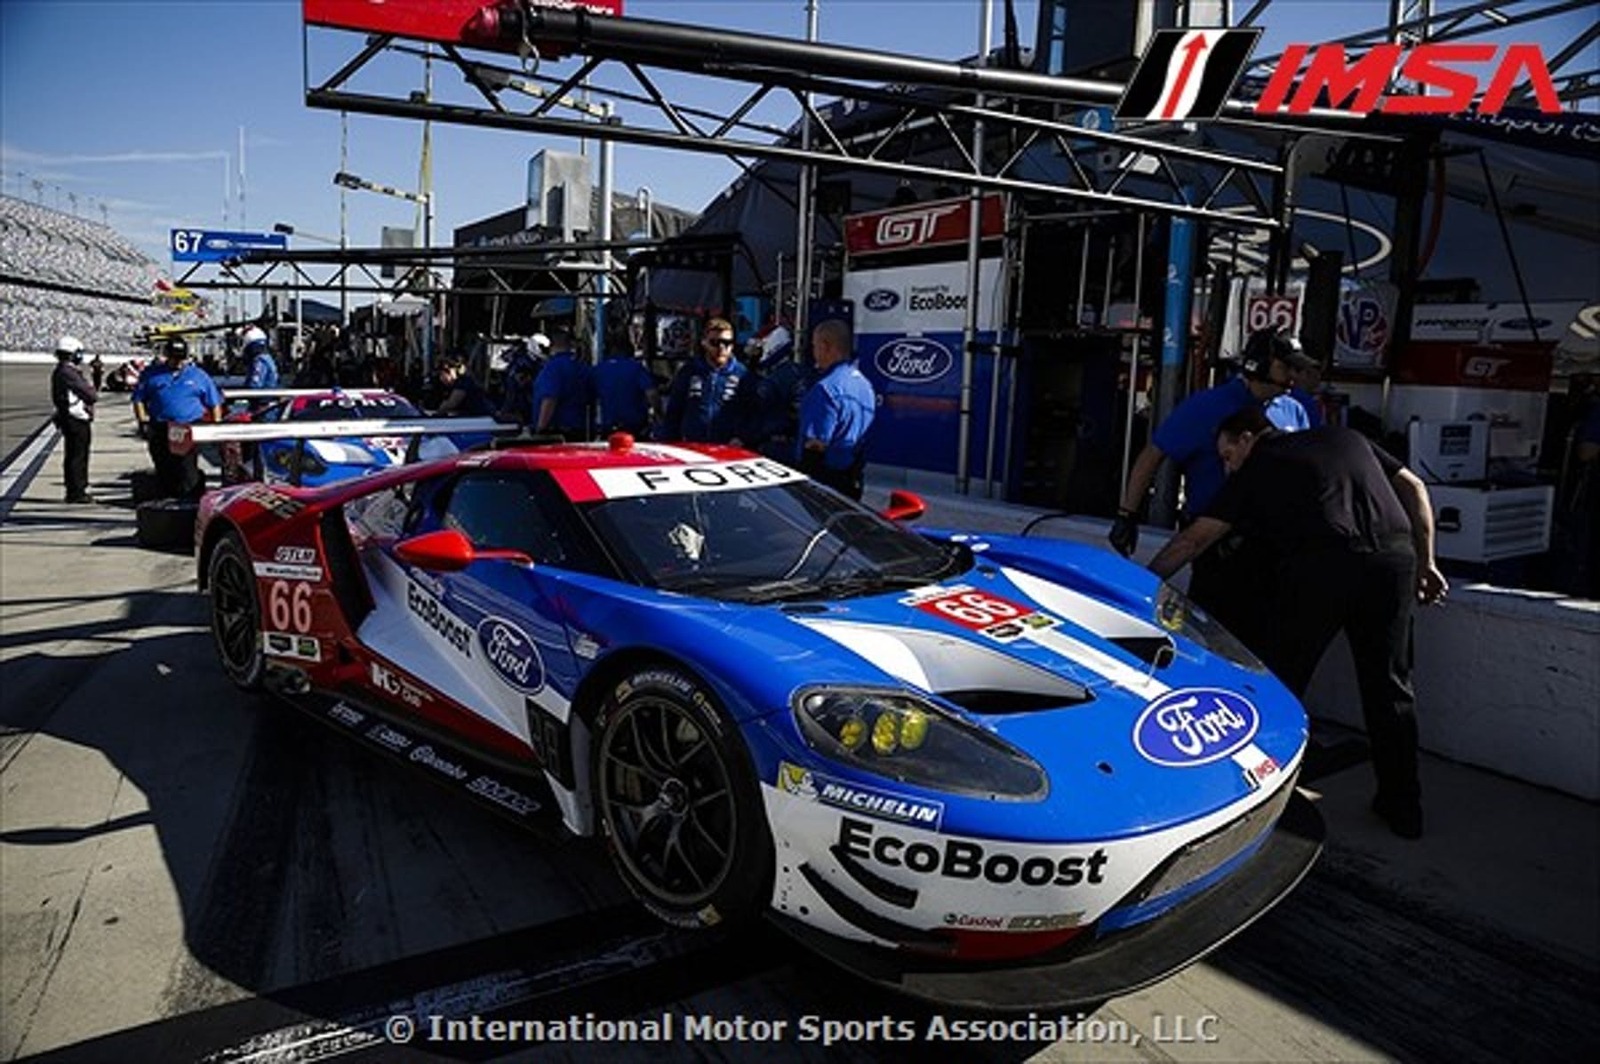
(190,874)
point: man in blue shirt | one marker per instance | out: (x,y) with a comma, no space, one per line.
(175,392)
(836,413)
(624,394)
(708,402)
(1188,436)
(561,391)
(263,372)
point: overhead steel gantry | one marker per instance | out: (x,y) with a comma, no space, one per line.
(284,271)
(622,59)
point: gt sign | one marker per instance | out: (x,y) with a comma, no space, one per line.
(212,245)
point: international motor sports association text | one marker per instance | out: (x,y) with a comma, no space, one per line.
(674,1027)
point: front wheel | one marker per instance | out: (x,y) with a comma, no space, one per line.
(679,802)
(236,613)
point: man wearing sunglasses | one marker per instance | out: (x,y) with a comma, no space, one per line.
(708,402)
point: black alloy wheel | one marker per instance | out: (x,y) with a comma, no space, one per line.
(236,613)
(679,803)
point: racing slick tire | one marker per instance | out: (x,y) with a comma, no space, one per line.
(166,524)
(236,613)
(679,803)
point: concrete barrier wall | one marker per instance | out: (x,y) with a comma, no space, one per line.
(1506,680)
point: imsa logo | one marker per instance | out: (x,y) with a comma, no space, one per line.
(1186,74)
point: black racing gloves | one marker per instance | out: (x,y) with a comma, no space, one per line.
(1124,534)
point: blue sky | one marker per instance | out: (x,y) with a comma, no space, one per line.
(138,105)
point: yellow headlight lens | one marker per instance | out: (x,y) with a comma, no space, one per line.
(886,733)
(913,729)
(852,732)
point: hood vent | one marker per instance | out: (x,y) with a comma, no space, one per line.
(972,676)
(991,702)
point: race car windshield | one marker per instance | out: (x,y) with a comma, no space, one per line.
(778,543)
(345,408)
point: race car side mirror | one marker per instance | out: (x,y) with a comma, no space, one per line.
(448,551)
(905,506)
(444,551)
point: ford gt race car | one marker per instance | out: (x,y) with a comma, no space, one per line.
(990,771)
(317,461)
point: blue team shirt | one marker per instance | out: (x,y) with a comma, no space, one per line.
(263,371)
(620,386)
(703,406)
(838,409)
(1189,436)
(566,380)
(1288,414)
(183,396)
(1313,407)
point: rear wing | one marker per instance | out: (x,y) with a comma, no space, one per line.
(183,438)
(233,394)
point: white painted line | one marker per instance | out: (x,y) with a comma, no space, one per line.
(16,476)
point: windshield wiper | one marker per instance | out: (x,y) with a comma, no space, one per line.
(866,583)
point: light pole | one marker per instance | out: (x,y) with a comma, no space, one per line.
(604,112)
(345,179)
(299,297)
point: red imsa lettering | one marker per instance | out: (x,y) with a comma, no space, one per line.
(964,859)
(1362,87)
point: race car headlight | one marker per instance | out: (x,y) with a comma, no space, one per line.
(1176,614)
(907,738)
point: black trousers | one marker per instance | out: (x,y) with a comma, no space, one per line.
(850,482)
(179,475)
(75,434)
(1371,598)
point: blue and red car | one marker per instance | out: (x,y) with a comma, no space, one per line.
(993,771)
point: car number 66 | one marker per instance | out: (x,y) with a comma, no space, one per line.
(289,606)
(974,607)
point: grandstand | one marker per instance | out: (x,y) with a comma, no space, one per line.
(54,268)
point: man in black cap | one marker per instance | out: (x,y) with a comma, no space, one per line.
(1222,582)
(74,398)
(1348,532)
(175,392)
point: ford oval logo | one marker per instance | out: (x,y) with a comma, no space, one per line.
(881,299)
(1195,726)
(913,360)
(511,654)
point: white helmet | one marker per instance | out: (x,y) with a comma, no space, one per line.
(70,346)
(254,335)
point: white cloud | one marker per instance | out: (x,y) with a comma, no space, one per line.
(23,156)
